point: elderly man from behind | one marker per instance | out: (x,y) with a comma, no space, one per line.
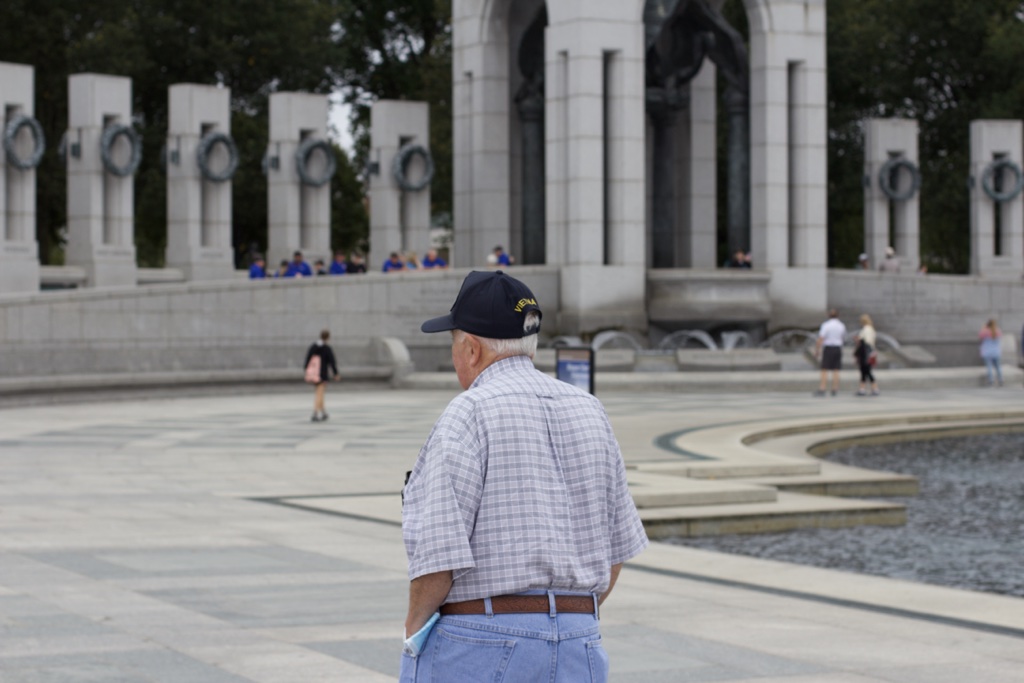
(517,517)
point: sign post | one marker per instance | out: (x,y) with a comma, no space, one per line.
(575,365)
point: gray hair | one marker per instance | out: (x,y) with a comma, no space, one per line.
(524,346)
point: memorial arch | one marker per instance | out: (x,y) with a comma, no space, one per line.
(625,191)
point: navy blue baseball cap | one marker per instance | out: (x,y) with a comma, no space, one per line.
(490,304)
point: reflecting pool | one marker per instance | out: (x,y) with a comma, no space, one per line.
(965,528)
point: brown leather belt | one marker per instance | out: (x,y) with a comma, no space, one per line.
(523,604)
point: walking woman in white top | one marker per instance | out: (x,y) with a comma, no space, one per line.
(864,352)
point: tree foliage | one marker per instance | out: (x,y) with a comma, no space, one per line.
(253,47)
(942,62)
(400,49)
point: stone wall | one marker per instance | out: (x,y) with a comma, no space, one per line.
(942,313)
(233,325)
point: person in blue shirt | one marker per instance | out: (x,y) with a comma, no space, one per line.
(338,264)
(500,257)
(432,260)
(394,262)
(298,267)
(258,269)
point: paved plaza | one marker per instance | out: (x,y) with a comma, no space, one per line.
(212,539)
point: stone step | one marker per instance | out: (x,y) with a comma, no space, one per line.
(734,468)
(790,511)
(652,490)
(844,481)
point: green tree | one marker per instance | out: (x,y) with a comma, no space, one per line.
(350,222)
(253,47)
(943,62)
(399,49)
(46,36)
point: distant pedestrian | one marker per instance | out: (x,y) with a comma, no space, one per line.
(432,261)
(338,266)
(282,269)
(356,264)
(319,268)
(829,348)
(891,264)
(323,368)
(866,355)
(863,263)
(499,258)
(298,267)
(394,262)
(991,351)
(739,260)
(412,261)
(258,269)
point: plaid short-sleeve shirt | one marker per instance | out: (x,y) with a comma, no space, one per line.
(520,486)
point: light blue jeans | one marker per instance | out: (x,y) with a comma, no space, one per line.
(993,363)
(510,648)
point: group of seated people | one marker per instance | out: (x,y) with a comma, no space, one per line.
(298,267)
(409,261)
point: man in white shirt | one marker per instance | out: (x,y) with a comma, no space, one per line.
(829,349)
(891,264)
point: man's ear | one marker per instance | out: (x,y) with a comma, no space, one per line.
(476,349)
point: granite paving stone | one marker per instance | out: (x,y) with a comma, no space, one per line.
(193,540)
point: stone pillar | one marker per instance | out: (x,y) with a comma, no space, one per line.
(19,250)
(997,227)
(888,140)
(481,146)
(299,214)
(788,160)
(697,163)
(595,123)
(399,219)
(101,203)
(198,208)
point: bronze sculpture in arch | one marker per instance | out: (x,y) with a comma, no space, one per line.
(680,35)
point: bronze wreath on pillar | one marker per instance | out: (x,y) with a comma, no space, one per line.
(14,126)
(110,135)
(998,168)
(887,175)
(306,148)
(400,167)
(206,145)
